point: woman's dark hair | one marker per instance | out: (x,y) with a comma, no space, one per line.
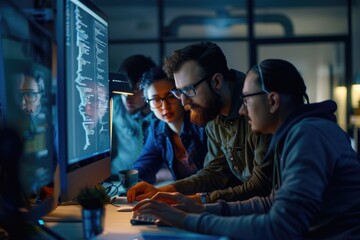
(151,76)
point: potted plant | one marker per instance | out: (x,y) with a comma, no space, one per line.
(93,198)
(93,201)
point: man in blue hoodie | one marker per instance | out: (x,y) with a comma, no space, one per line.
(316,184)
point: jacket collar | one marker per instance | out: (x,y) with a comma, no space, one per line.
(236,101)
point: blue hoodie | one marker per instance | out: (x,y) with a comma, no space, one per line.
(316,192)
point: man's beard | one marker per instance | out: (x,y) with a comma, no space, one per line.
(202,115)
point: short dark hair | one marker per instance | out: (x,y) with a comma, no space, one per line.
(151,76)
(134,67)
(208,55)
(281,76)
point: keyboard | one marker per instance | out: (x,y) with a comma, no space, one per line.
(137,219)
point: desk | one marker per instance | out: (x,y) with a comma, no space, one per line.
(117,226)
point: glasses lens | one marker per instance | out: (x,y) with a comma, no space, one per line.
(155,102)
(189,91)
(176,93)
(171,98)
(29,97)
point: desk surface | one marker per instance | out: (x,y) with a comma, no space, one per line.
(66,222)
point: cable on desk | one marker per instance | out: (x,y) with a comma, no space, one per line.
(113,189)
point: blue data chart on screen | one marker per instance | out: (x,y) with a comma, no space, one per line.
(87,83)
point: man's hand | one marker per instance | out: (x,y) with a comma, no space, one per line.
(141,191)
(165,213)
(170,208)
(144,190)
(179,201)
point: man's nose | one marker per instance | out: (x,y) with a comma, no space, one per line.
(243,110)
(185,100)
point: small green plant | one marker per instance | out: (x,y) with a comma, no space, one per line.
(93,198)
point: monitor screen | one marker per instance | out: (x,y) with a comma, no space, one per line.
(83,96)
(26,104)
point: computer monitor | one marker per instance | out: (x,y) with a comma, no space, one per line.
(26,106)
(83,96)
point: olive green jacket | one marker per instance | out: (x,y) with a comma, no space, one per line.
(234,167)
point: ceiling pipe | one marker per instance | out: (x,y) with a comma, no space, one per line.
(226,21)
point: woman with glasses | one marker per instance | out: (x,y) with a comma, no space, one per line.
(172,140)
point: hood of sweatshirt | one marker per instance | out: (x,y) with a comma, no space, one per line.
(325,110)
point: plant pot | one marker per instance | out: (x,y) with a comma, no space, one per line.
(93,222)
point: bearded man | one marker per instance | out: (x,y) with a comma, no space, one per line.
(234,167)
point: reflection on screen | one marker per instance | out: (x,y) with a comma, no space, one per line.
(25,88)
(87,83)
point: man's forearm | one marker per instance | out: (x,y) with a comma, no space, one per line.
(167,188)
(257,185)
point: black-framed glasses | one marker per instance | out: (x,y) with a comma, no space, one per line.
(30,97)
(189,91)
(156,102)
(245,96)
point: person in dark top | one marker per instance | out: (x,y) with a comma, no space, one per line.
(131,117)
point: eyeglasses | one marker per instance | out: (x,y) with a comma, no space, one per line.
(244,97)
(157,102)
(263,89)
(30,97)
(188,91)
